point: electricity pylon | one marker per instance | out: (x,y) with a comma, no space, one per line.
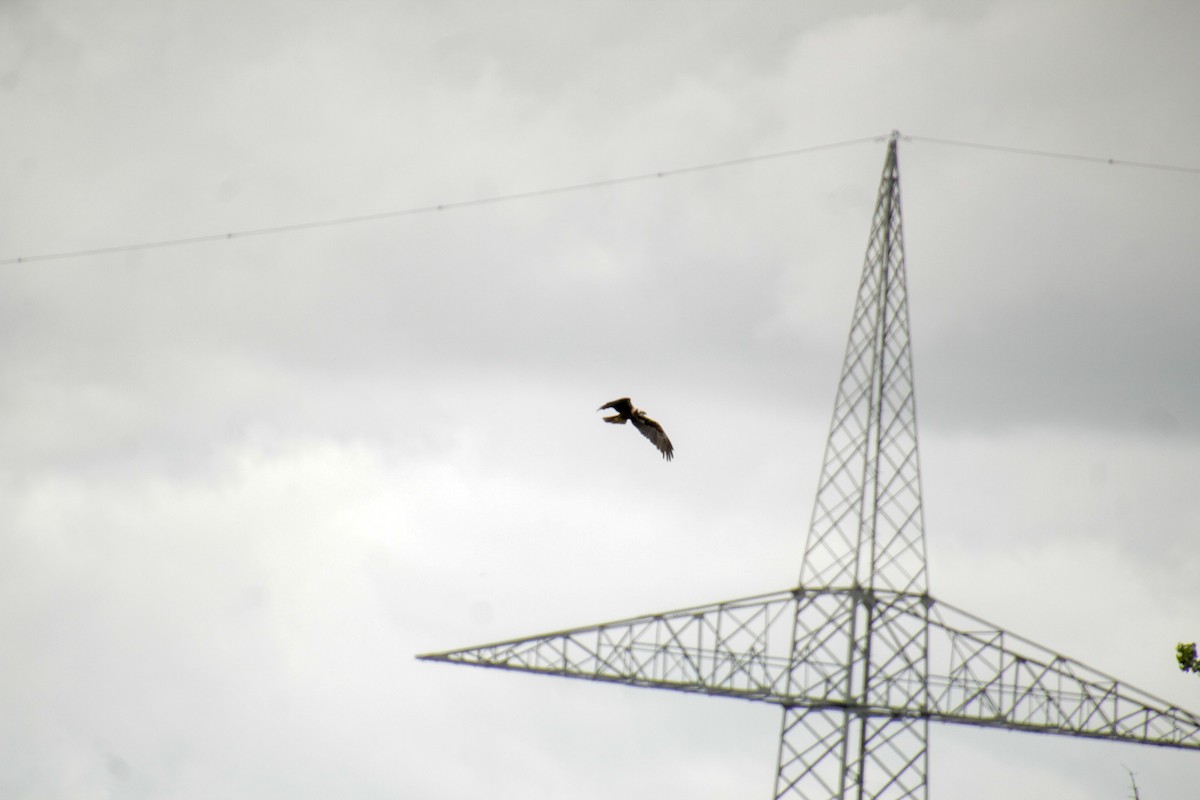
(859,655)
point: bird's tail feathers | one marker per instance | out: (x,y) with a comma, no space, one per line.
(615,419)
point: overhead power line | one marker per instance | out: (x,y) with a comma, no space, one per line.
(479,201)
(575,187)
(1024,151)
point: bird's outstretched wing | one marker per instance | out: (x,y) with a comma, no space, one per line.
(623,406)
(654,432)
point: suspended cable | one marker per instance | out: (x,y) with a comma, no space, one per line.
(1116,162)
(577,187)
(500,198)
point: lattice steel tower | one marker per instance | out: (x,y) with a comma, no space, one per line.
(859,655)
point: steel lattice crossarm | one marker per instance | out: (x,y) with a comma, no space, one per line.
(737,648)
(996,678)
(978,674)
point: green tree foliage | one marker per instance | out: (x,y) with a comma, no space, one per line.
(1186,653)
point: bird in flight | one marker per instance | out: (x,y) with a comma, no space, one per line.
(648,427)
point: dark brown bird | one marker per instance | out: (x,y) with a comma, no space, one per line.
(648,427)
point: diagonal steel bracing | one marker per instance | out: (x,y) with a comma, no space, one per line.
(978,673)
(860,656)
(867,535)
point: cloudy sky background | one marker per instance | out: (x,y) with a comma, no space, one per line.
(244,482)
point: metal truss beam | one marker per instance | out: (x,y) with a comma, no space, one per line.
(979,674)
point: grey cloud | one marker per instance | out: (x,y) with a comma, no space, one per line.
(247,480)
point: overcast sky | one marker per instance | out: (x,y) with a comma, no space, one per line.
(243,482)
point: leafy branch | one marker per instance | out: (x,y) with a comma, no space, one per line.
(1186,653)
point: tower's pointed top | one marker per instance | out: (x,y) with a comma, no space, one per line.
(867,526)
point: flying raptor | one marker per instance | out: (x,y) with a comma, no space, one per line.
(648,427)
